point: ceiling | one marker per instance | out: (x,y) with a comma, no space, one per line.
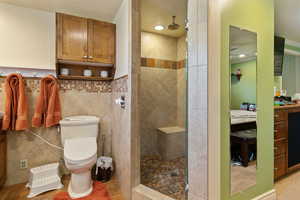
(160,12)
(96,9)
(242,42)
(287,19)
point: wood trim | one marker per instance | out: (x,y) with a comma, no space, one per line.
(214,100)
(121,77)
(287,107)
(88,78)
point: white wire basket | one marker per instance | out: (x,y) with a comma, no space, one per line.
(43,179)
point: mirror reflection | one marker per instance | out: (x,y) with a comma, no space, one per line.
(243,126)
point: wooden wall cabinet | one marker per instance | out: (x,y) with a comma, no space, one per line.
(3,158)
(71,38)
(101,42)
(85,43)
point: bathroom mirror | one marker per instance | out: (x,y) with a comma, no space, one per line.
(243,126)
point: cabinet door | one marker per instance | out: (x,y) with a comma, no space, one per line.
(280,167)
(101,42)
(2,159)
(71,38)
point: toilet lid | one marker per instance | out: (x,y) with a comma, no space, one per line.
(79,149)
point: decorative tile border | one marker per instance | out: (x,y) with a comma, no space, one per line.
(181,64)
(86,86)
(33,85)
(120,85)
(158,63)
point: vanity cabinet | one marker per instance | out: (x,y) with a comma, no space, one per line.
(85,44)
(3,158)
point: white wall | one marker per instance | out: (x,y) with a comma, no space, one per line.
(27,38)
(123,25)
(291,74)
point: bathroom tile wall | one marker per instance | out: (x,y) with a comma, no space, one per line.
(77,98)
(121,138)
(158,107)
(162,88)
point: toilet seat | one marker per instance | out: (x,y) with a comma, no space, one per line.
(80,150)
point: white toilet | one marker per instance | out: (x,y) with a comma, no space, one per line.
(79,138)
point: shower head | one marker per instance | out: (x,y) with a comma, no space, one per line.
(173,26)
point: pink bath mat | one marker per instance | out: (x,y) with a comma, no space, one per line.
(99,193)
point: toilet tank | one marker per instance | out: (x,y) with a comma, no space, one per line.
(78,126)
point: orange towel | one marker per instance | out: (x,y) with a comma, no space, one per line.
(99,193)
(15,113)
(47,111)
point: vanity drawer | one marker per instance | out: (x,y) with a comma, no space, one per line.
(280,115)
(280,130)
(280,148)
(279,166)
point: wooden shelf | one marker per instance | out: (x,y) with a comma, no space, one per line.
(86,64)
(88,78)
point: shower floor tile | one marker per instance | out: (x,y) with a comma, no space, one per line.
(166,177)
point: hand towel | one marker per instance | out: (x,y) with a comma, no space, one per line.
(48,110)
(15,113)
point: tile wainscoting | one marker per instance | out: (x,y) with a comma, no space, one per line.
(121,139)
(162,104)
(77,98)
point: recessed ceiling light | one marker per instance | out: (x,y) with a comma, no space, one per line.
(242,55)
(159,27)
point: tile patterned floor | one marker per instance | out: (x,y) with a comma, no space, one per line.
(166,177)
(19,191)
